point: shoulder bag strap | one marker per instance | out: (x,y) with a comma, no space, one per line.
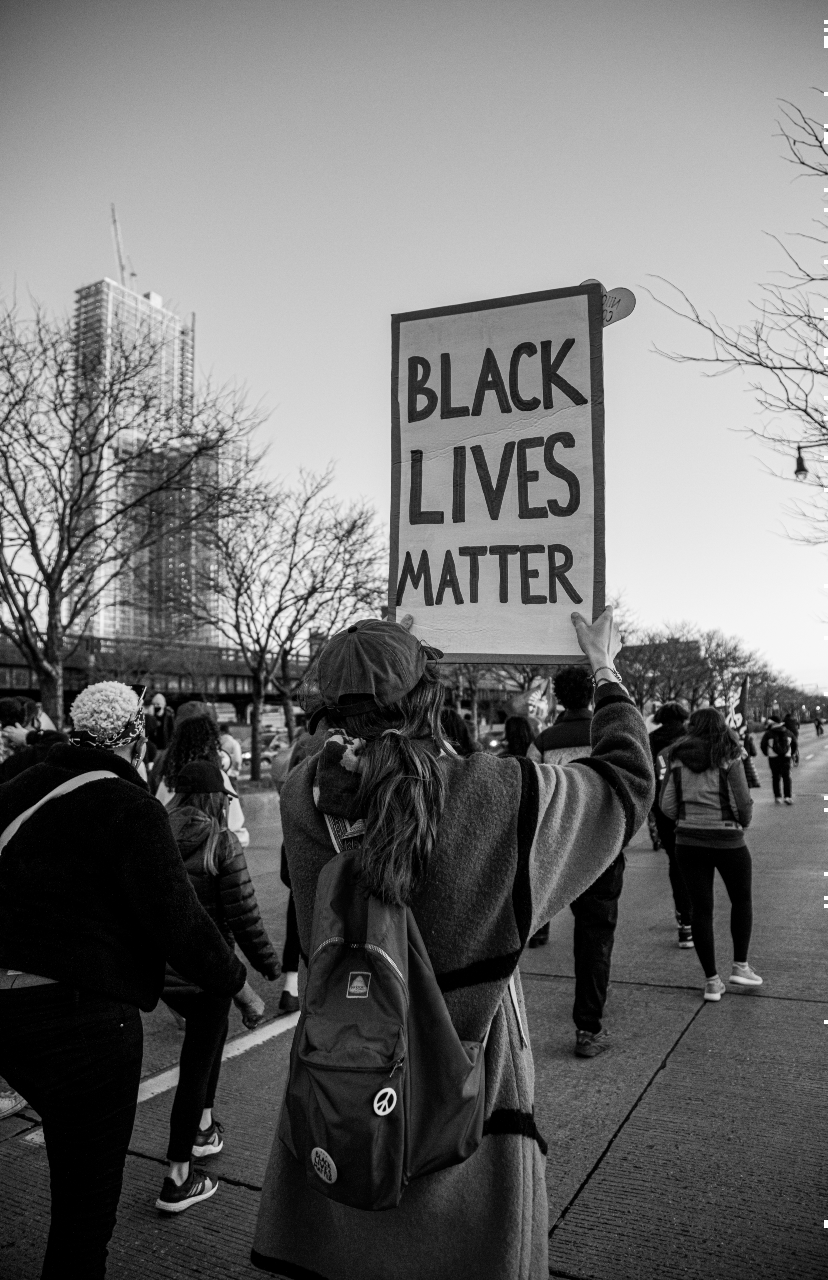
(65,788)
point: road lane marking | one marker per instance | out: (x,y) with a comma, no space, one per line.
(166,1080)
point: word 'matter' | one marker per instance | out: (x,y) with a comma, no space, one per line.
(556,571)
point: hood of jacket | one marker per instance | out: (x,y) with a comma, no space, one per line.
(191,827)
(694,753)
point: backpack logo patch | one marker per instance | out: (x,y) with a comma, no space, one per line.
(323,1165)
(385,1101)
(358,984)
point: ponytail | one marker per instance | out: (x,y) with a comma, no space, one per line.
(402,789)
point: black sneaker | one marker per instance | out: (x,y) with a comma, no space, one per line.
(588,1044)
(288,1003)
(209,1141)
(197,1186)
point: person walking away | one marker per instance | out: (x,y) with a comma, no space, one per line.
(457,731)
(217,868)
(782,750)
(517,737)
(196,737)
(160,722)
(232,747)
(670,720)
(818,725)
(304,745)
(706,794)
(94,900)
(539,836)
(595,910)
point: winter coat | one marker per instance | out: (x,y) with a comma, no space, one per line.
(228,897)
(566,740)
(777,733)
(516,842)
(660,739)
(710,804)
(93,891)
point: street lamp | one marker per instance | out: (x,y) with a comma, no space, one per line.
(800,470)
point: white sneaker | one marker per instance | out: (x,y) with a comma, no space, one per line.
(744,976)
(788,799)
(777,799)
(714,988)
(10,1103)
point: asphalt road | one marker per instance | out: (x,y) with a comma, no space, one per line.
(695,1148)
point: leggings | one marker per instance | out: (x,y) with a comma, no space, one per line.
(200,1065)
(734,866)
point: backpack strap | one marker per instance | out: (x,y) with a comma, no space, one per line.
(65,788)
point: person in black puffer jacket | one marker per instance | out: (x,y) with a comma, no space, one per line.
(217,869)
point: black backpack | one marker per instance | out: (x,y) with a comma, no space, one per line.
(381,1088)
(780,741)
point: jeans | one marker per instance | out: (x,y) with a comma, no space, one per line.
(596,915)
(780,767)
(199,1067)
(735,868)
(667,834)
(76,1058)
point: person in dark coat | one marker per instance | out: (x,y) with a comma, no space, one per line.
(458,732)
(517,737)
(671,719)
(217,868)
(160,722)
(94,901)
(304,745)
(782,750)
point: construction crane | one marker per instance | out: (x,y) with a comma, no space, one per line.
(119,251)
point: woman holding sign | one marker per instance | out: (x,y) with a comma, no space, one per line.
(484,850)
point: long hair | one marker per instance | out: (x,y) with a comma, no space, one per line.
(402,788)
(214,805)
(193,739)
(457,730)
(518,734)
(708,725)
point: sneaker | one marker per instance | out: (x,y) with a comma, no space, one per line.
(685,936)
(744,976)
(588,1044)
(197,1186)
(777,799)
(11,1103)
(288,1003)
(714,988)
(788,799)
(209,1141)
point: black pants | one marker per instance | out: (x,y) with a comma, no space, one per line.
(199,1066)
(780,767)
(667,834)
(76,1058)
(596,915)
(735,868)
(290,951)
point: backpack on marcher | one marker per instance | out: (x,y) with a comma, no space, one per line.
(780,741)
(381,1088)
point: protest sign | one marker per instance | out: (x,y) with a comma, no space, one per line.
(497,474)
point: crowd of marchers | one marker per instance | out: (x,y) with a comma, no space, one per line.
(420,869)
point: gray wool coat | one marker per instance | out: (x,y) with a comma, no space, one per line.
(517,842)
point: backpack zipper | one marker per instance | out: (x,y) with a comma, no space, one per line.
(398,1066)
(327,943)
(367,946)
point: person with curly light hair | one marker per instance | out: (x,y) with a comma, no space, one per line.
(94,902)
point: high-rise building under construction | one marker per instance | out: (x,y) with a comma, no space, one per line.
(149,598)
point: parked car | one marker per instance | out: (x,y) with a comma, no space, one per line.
(273,744)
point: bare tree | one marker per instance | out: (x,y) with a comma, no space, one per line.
(782,348)
(288,561)
(97,463)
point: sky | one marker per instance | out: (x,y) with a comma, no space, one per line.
(295,171)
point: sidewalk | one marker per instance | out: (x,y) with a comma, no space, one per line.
(694,1149)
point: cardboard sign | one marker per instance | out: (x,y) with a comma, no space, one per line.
(497,474)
